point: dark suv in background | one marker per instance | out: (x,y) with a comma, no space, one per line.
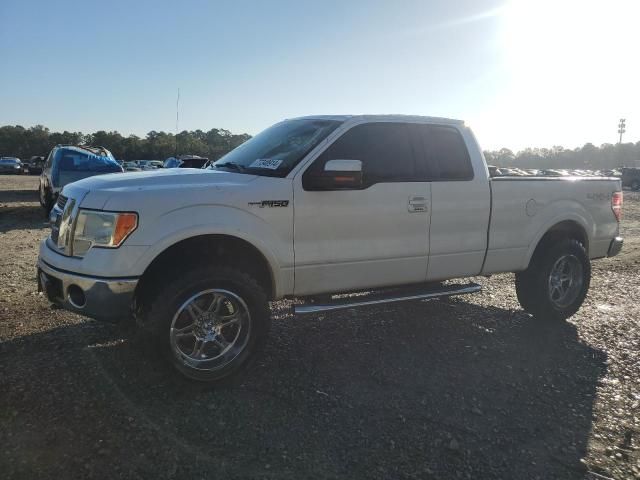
(69,163)
(631,178)
(35,164)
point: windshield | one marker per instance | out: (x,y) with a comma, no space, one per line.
(278,149)
(84,161)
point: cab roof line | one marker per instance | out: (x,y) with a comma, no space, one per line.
(382,117)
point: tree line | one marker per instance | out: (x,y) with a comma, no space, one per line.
(17,141)
(589,157)
(24,143)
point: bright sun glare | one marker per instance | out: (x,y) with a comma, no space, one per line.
(570,70)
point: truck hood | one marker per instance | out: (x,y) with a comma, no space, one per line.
(96,191)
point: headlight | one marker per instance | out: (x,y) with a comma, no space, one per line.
(102,229)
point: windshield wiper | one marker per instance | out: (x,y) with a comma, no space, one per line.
(250,170)
(231,165)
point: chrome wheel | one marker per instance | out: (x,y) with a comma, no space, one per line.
(565,281)
(210,330)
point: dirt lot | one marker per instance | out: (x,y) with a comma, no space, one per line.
(469,388)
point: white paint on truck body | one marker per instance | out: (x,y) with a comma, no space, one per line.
(329,241)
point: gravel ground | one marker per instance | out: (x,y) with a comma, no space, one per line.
(466,388)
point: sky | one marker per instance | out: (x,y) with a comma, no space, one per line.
(521,73)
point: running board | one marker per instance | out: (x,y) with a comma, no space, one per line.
(388,297)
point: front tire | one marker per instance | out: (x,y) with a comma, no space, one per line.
(209,323)
(556,282)
(46,200)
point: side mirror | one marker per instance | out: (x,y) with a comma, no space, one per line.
(337,175)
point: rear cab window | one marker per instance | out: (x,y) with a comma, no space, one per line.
(445,154)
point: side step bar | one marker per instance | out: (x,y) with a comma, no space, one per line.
(387,297)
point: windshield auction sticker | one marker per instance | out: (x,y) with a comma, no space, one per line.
(270,163)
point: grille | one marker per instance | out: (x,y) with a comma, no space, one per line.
(62,201)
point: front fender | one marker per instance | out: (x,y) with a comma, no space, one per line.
(272,237)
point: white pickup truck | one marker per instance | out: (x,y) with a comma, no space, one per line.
(313,207)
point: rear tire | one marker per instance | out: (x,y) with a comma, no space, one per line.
(210,323)
(556,282)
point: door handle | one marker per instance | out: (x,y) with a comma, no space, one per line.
(417,204)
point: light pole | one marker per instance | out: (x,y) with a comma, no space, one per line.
(621,128)
(177,119)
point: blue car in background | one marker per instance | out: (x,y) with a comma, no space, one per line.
(10,165)
(69,163)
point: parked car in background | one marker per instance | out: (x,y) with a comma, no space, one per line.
(35,165)
(11,165)
(186,161)
(631,178)
(533,172)
(131,167)
(68,163)
(146,164)
(156,163)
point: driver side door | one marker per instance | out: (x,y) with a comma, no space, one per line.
(372,235)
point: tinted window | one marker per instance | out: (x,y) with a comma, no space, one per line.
(383,148)
(446,153)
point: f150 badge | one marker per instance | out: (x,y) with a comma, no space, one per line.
(270,203)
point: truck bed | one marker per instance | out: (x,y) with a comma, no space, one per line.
(525,207)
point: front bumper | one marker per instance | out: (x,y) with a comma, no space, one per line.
(107,299)
(615,247)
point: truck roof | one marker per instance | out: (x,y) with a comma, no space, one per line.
(386,117)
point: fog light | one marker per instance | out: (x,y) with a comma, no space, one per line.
(76,296)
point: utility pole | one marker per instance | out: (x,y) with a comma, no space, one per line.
(621,128)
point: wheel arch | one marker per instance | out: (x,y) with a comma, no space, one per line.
(193,251)
(559,230)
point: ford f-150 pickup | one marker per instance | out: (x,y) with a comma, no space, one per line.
(318,208)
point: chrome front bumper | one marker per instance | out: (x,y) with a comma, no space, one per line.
(107,299)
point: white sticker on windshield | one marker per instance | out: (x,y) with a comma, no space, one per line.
(270,163)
